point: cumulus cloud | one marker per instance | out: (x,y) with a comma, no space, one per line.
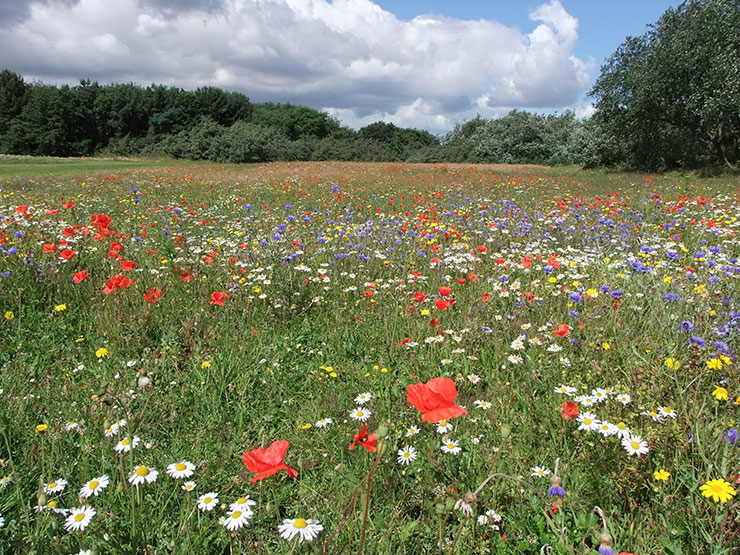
(348,57)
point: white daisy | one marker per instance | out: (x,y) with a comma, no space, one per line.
(622,430)
(588,421)
(667,412)
(363,398)
(307,530)
(485,405)
(515,359)
(69,426)
(482,520)
(412,431)
(407,455)
(565,389)
(585,400)
(443,426)
(94,486)
(635,445)
(188,486)
(207,501)
(182,469)
(126,444)
(55,486)
(474,378)
(607,429)
(243,504)
(111,431)
(554,348)
(451,446)
(358,413)
(4,481)
(79,518)
(599,394)
(143,473)
(324,422)
(236,519)
(540,471)
(624,398)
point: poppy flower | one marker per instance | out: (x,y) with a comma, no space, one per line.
(67,254)
(569,410)
(486,297)
(101,220)
(419,297)
(69,204)
(153,294)
(128,265)
(362,438)
(434,322)
(218,298)
(118,281)
(266,462)
(186,276)
(562,330)
(79,277)
(482,249)
(434,399)
(444,291)
(462,281)
(444,304)
(369,293)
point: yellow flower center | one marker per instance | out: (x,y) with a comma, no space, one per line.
(52,485)
(635,445)
(587,421)
(207,500)
(180,467)
(125,441)
(142,470)
(406,455)
(94,484)
(300,523)
(622,426)
(236,514)
(79,517)
(443,422)
(52,504)
(241,500)
(450,446)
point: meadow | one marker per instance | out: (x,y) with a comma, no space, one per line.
(367,358)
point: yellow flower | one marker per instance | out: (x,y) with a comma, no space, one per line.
(714,364)
(305,426)
(9,315)
(60,307)
(720,393)
(384,370)
(672,363)
(100,353)
(79,339)
(41,428)
(606,346)
(661,475)
(205,364)
(667,279)
(726,360)
(425,312)
(718,490)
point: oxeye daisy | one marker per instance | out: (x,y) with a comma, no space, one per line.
(565,389)
(624,398)
(94,486)
(188,486)
(237,519)
(474,378)
(363,398)
(607,429)
(111,431)
(55,487)
(208,501)
(126,444)
(143,473)
(361,414)
(485,405)
(635,445)
(412,431)
(324,422)
(306,530)
(667,412)
(443,426)
(182,469)
(540,471)
(4,481)
(588,421)
(71,425)
(79,518)
(406,455)
(451,446)
(242,504)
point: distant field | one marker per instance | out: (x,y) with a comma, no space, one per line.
(491,325)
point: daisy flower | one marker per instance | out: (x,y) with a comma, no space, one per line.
(667,412)
(635,445)
(585,400)
(599,394)
(358,413)
(323,423)
(485,405)
(4,481)
(307,530)
(406,455)
(451,446)
(515,359)
(540,471)
(126,444)
(143,473)
(624,398)
(188,486)
(111,431)
(565,389)
(718,490)
(482,520)
(412,431)
(243,504)
(236,519)
(443,426)
(69,426)
(474,378)
(607,429)
(182,469)
(207,501)
(588,421)
(79,518)
(363,398)
(622,430)
(94,486)
(120,423)
(55,486)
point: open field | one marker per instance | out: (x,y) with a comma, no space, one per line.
(574,322)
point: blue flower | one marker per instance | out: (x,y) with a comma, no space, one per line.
(686,325)
(732,434)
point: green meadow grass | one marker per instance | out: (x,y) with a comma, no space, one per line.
(306,329)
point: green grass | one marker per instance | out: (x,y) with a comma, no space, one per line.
(305,329)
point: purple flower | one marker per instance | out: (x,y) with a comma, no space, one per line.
(605,550)
(698,341)
(732,434)
(686,325)
(556,491)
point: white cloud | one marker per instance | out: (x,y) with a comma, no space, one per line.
(350,57)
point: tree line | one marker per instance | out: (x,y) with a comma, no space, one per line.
(667,99)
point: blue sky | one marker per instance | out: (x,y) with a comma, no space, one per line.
(424,64)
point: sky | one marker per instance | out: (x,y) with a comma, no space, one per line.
(422,64)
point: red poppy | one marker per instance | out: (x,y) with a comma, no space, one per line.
(562,330)
(369,293)
(218,298)
(462,281)
(444,291)
(486,297)
(186,276)
(67,254)
(434,399)
(101,220)
(79,277)
(118,281)
(402,343)
(362,438)
(266,462)
(569,410)
(153,294)
(482,249)
(128,265)
(419,297)
(434,322)
(69,204)
(50,247)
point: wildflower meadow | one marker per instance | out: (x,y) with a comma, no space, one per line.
(369,358)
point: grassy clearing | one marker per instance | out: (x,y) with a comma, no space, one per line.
(333,281)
